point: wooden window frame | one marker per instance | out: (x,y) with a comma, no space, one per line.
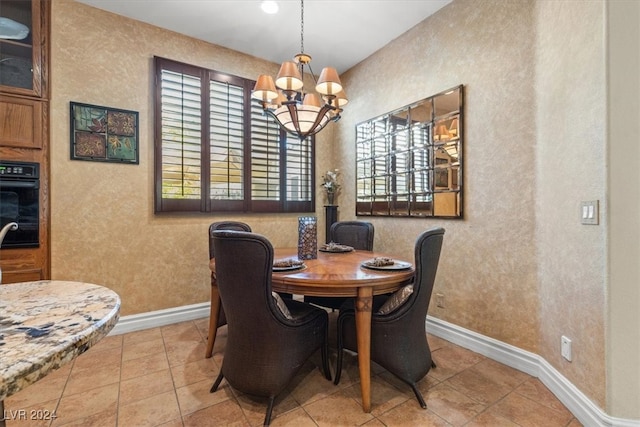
(284,201)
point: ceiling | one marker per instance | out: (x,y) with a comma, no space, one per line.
(338,33)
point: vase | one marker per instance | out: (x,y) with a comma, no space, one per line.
(331,198)
(307,237)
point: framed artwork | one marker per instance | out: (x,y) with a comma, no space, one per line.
(104,134)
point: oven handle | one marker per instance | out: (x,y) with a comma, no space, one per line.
(20,184)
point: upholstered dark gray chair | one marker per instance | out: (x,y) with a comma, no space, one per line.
(398,338)
(357,234)
(266,344)
(215,323)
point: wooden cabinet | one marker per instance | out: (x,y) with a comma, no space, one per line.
(24,118)
(24,60)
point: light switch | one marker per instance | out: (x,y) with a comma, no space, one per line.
(589,211)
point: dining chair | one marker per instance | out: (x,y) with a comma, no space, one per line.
(398,337)
(358,235)
(266,345)
(221,320)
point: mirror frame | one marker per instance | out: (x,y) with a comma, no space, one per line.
(409,161)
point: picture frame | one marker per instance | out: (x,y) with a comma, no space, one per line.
(104,134)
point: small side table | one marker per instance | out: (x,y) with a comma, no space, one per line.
(331,216)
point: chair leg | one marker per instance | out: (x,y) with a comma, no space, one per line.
(267,417)
(211,338)
(336,380)
(325,356)
(215,385)
(418,396)
(433,364)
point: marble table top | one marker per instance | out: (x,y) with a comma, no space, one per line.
(46,324)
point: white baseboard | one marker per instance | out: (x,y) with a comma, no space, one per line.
(589,414)
(153,319)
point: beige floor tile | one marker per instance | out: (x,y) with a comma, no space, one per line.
(451,405)
(160,377)
(86,404)
(96,357)
(488,381)
(173,423)
(139,388)
(385,394)
(36,415)
(142,336)
(181,352)
(487,419)
(536,391)
(527,413)
(255,408)
(46,389)
(374,423)
(196,396)
(410,414)
(295,418)
(151,411)
(84,379)
(133,368)
(337,409)
(106,418)
(189,373)
(310,384)
(184,331)
(452,359)
(108,342)
(225,414)
(135,350)
(436,343)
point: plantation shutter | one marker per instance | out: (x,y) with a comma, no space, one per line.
(217,151)
(181,137)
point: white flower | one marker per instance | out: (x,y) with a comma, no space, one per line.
(330,181)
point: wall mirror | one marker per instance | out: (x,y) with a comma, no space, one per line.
(409,161)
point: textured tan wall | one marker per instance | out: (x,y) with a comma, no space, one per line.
(571,166)
(514,269)
(103,229)
(487,270)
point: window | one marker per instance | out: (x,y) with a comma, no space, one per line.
(215,151)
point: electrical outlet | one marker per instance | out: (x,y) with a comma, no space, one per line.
(440,300)
(565,348)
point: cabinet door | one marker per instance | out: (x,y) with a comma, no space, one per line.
(22,47)
(20,122)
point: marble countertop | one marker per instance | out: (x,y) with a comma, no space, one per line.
(46,324)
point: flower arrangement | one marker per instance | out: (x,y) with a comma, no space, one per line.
(330,184)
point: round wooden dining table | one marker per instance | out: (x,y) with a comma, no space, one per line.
(338,275)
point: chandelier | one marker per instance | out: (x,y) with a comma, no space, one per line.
(298,112)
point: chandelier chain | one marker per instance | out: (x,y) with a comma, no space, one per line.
(301,26)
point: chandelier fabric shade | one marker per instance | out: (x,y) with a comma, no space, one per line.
(298,112)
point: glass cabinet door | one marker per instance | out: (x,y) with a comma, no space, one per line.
(20,47)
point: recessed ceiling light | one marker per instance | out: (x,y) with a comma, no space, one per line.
(269,7)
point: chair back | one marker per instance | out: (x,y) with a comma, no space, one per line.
(254,337)
(427,256)
(225,225)
(357,234)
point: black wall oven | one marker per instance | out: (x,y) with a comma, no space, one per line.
(20,202)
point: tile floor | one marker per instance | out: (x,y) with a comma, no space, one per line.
(159,377)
